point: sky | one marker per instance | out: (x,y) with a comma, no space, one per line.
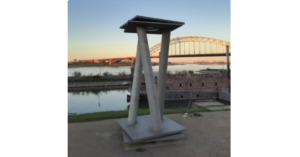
(94,25)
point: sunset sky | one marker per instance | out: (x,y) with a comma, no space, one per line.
(94,25)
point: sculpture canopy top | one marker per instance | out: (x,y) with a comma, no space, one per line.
(152,25)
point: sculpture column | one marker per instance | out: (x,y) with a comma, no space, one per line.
(163,63)
(135,94)
(228,69)
(149,79)
(171,48)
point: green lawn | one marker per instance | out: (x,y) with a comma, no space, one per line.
(96,116)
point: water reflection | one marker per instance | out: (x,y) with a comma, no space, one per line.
(97,100)
(95,91)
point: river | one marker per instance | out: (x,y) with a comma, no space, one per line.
(99,100)
(126,69)
(89,100)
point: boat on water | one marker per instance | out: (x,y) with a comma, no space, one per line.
(205,84)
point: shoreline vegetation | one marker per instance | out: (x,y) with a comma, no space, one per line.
(77,65)
(94,64)
(97,116)
(107,79)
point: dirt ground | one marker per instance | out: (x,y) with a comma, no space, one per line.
(205,136)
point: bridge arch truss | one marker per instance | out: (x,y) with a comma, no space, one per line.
(200,45)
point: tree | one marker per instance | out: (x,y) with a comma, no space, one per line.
(77,74)
(106,73)
(191,71)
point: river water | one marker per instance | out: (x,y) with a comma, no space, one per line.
(126,69)
(172,68)
(98,99)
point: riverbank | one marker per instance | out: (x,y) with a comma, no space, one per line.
(85,89)
(98,81)
(96,116)
(98,84)
(96,65)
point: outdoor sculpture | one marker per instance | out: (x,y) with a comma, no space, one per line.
(138,129)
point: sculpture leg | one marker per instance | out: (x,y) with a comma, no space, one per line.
(163,63)
(135,92)
(228,69)
(149,79)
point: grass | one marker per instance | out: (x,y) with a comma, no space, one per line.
(97,116)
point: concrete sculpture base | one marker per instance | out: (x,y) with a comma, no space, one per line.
(176,136)
(142,129)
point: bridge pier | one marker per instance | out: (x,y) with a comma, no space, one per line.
(194,47)
(205,47)
(184,47)
(189,48)
(211,47)
(175,46)
(199,47)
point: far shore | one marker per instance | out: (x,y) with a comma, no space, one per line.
(98,81)
(85,88)
(103,84)
(81,66)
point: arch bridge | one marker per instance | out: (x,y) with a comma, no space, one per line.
(181,47)
(205,45)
